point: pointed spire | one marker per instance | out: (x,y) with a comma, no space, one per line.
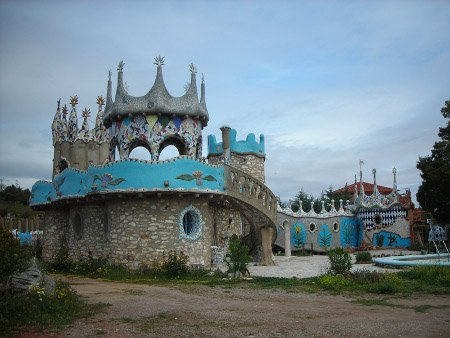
(375,188)
(341,205)
(72,127)
(361,187)
(100,133)
(56,125)
(192,90)
(109,101)
(84,134)
(394,172)
(333,208)
(120,90)
(64,123)
(202,91)
(159,85)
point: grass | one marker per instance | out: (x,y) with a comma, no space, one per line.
(384,302)
(36,311)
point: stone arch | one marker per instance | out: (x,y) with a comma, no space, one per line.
(178,142)
(139,143)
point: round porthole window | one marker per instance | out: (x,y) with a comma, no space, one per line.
(335,227)
(312,227)
(190,223)
(377,219)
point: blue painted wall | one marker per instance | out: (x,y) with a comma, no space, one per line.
(241,147)
(390,239)
(298,235)
(130,175)
(324,236)
(351,232)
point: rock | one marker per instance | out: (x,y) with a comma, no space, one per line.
(23,281)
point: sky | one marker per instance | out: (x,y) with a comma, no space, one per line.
(329,83)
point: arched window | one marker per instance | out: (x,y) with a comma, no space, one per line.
(169,152)
(140,153)
(77,226)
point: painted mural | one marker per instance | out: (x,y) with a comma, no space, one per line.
(151,131)
(324,236)
(298,235)
(390,239)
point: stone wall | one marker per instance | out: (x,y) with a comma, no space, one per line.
(135,231)
(248,163)
(227,222)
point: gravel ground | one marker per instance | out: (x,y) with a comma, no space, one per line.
(201,311)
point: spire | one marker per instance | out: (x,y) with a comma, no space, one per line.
(109,101)
(159,85)
(56,125)
(192,90)
(120,90)
(100,133)
(84,133)
(394,172)
(72,128)
(64,124)
(361,187)
(202,91)
(375,188)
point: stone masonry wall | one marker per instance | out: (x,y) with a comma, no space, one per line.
(131,231)
(250,164)
(227,222)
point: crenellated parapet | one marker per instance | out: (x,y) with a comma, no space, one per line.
(243,147)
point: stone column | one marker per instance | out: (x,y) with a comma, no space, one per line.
(266,237)
(226,143)
(287,240)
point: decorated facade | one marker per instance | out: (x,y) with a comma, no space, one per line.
(133,211)
(371,220)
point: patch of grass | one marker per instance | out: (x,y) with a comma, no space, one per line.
(147,324)
(384,302)
(38,311)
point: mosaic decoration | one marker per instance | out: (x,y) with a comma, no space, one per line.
(106,179)
(386,217)
(390,239)
(152,131)
(324,236)
(130,176)
(197,175)
(84,134)
(72,127)
(101,133)
(298,235)
(311,213)
(249,146)
(197,226)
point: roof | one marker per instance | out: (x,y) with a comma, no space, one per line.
(368,188)
(157,101)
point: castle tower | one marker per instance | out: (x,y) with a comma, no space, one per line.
(157,119)
(248,156)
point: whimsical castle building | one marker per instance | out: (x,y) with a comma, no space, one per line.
(133,211)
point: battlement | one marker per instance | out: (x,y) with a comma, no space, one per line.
(249,146)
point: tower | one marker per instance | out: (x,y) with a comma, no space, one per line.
(157,119)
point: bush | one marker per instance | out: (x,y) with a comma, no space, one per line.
(62,262)
(363,257)
(238,256)
(366,277)
(333,282)
(174,265)
(12,256)
(430,275)
(340,262)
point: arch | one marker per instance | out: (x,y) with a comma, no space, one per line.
(173,141)
(141,154)
(114,150)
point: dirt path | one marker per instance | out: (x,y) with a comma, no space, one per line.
(200,311)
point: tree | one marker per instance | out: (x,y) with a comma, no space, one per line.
(306,201)
(434,193)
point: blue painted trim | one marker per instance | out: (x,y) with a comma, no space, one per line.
(249,146)
(413,260)
(182,173)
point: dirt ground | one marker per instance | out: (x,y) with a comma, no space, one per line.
(201,311)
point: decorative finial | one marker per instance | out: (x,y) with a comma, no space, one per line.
(86,113)
(159,61)
(109,74)
(64,111)
(203,78)
(59,102)
(120,66)
(74,100)
(100,101)
(192,68)
(394,171)
(374,172)
(361,162)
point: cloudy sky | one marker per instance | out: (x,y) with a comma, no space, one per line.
(327,82)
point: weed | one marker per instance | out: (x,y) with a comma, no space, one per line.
(340,262)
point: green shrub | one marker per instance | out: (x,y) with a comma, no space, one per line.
(430,275)
(365,276)
(12,256)
(62,262)
(340,262)
(174,265)
(333,282)
(238,256)
(363,257)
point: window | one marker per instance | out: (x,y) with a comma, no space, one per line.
(377,219)
(77,226)
(312,227)
(190,223)
(336,227)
